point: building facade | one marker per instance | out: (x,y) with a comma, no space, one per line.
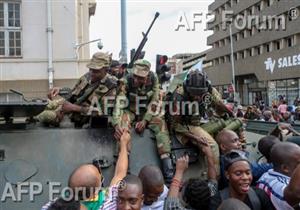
(38,37)
(256,42)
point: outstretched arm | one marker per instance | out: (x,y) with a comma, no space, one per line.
(211,170)
(122,162)
(181,165)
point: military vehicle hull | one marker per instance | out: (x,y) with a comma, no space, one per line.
(46,157)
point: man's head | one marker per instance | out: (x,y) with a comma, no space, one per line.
(130,195)
(267,115)
(196,194)
(141,69)
(286,115)
(196,85)
(86,181)
(265,145)
(285,157)
(238,172)
(228,140)
(153,183)
(115,68)
(99,65)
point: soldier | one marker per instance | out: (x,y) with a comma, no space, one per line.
(141,88)
(89,94)
(190,102)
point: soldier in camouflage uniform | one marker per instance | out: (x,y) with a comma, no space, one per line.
(141,87)
(196,91)
(90,94)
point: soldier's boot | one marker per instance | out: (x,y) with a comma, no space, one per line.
(167,169)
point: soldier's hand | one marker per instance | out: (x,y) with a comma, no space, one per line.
(118,132)
(140,126)
(69,107)
(182,164)
(53,92)
(201,141)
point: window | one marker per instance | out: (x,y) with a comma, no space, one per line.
(277,44)
(258,51)
(258,7)
(10,29)
(267,47)
(290,41)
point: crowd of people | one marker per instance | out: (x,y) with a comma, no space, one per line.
(279,111)
(233,181)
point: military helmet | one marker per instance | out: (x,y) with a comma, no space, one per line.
(141,68)
(100,60)
(196,83)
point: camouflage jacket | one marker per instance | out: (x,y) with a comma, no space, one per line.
(96,94)
(186,112)
(146,95)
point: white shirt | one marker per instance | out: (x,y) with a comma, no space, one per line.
(274,183)
(159,204)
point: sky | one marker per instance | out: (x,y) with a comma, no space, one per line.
(163,37)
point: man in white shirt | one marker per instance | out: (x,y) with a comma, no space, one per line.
(282,183)
(155,191)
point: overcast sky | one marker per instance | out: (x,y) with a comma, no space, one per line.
(163,38)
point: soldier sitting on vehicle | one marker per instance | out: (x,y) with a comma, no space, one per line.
(189,104)
(140,89)
(90,94)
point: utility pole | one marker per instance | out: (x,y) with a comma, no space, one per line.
(123,52)
(232,62)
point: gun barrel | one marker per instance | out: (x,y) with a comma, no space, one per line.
(143,42)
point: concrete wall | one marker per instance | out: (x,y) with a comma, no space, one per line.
(70,19)
(222,74)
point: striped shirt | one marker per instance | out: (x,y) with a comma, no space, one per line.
(274,183)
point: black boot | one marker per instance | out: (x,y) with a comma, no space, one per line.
(167,169)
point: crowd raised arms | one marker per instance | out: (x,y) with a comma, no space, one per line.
(133,100)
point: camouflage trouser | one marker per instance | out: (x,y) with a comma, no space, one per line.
(198,131)
(157,125)
(49,115)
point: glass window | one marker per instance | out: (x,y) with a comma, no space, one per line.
(293,90)
(10,34)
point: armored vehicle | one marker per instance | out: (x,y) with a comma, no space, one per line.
(39,159)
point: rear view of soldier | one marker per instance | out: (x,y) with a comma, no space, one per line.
(89,95)
(141,89)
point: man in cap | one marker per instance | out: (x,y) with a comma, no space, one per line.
(90,94)
(141,89)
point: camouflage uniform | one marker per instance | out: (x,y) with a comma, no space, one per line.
(90,96)
(148,95)
(186,122)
